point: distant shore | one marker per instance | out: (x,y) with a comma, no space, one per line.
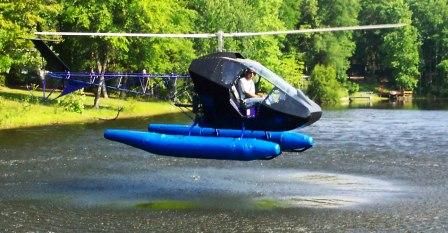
(22,108)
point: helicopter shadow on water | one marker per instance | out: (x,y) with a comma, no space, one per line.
(220,188)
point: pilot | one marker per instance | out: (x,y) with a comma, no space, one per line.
(247,87)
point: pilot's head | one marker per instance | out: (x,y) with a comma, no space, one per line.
(248,73)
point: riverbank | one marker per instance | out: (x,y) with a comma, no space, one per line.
(22,108)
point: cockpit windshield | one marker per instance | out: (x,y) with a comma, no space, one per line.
(268,75)
(281,95)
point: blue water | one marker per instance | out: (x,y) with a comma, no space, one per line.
(371,170)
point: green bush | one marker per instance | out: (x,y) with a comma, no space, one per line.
(351,87)
(73,102)
(291,70)
(2,81)
(31,98)
(442,79)
(324,87)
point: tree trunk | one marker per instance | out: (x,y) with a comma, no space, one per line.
(124,85)
(172,89)
(96,101)
(151,90)
(104,89)
(101,62)
(103,86)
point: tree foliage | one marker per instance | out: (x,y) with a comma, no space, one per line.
(250,16)
(431,20)
(392,54)
(126,54)
(160,55)
(332,49)
(324,86)
(18,20)
(441,85)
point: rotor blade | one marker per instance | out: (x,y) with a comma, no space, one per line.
(119,34)
(210,35)
(313,30)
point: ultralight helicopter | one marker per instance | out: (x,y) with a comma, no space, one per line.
(225,126)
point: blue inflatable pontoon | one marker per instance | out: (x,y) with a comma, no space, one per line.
(208,143)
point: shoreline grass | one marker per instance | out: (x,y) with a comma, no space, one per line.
(22,108)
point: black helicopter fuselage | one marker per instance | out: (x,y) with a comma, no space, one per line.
(213,76)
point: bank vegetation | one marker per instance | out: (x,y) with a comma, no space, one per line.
(412,58)
(26,108)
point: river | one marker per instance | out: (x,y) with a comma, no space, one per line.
(373,169)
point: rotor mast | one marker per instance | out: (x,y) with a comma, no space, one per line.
(220,37)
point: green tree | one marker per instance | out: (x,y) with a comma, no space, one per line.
(249,16)
(291,68)
(441,85)
(324,87)
(127,54)
(390,53)
(160,55)
(400,50)
(19,19)
(430,18)
(332,49)
(87,53)
(290,13)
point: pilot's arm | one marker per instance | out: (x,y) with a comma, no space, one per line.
(250,95)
